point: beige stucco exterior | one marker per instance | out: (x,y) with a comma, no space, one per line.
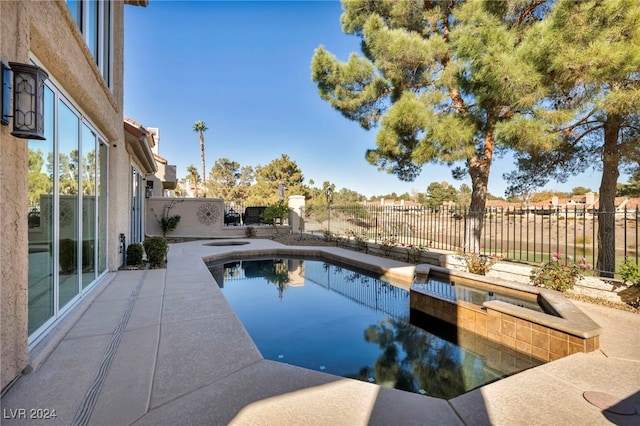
(44,31)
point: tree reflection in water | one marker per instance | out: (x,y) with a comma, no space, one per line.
(353,325)
(275,271)
(419,362)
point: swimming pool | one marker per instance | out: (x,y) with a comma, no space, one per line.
(345,322)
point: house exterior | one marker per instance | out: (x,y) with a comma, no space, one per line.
(139,143)
(151,175)
(65,198)
(165,181)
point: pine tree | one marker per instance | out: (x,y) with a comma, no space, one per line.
(589,52)
(440,79)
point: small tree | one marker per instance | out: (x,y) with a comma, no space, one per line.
(167,221)
(273,212)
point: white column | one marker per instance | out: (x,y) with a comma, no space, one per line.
(296,216)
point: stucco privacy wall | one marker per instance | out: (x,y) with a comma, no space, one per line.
(199,217)
(46,32)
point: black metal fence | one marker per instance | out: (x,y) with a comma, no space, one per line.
(525,235)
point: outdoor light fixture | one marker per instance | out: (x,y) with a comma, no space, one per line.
(5,75)
(148,192)
(28,99)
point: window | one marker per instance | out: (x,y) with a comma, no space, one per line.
(93,17)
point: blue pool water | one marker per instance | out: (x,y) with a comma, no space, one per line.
(344,322)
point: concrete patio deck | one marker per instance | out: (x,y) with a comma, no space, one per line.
(163,347)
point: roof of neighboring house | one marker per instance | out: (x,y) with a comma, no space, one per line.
(141,143)
(160,159)
(577,200)
(137,130)
(142,3)
(392,203)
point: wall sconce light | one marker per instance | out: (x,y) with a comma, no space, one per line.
(28,99)
(149,189)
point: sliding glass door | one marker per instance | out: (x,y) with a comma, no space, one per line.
(40,179)
(68,186)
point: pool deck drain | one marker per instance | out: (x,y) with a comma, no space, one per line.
(184,358)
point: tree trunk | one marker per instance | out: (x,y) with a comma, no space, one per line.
(479,168)
(606,263)
(475,217)
(204,178)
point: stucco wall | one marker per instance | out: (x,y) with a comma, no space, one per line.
(46,30)
(13,223)
(199,217)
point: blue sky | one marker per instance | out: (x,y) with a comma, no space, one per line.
(244,68)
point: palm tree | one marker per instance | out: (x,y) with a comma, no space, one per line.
(192,174)
(200,127)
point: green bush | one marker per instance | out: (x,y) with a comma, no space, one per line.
(630,272)
(559,274)
(167,221)
(135,252)
(273,212)
(156,249)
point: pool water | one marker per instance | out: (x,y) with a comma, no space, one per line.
(452,291)
(329,318)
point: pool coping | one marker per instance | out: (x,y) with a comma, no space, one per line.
(568,318)
(386,268)
(563,331)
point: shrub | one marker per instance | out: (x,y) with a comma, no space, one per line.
(559,274)
(359,239)
(250,232)
(328,236)
(414,253)
(135,252)
(167,221)
(156,249)
(478,263)
(630,272)
(273,212)
(386,244)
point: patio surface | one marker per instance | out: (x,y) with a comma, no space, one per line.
(163,347)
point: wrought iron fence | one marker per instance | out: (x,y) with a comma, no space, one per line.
(524,235)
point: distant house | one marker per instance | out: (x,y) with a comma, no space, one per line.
(165,180)
(589,203)
(398,204)
(67,194)
(151,174)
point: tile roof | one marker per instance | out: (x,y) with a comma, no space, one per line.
(142,3)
